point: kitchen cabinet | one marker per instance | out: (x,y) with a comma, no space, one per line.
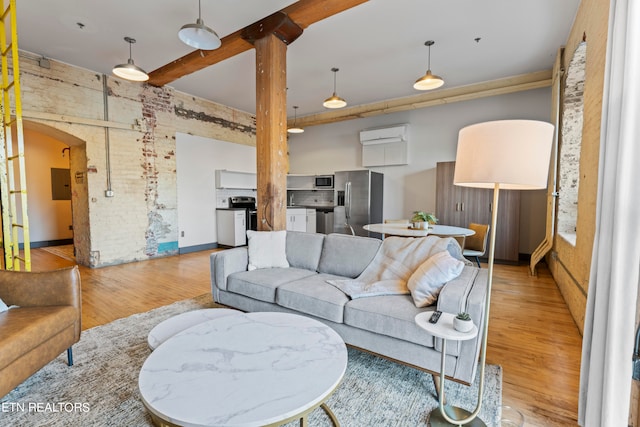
(301,219)
(300,182)
(232,227)
(460,206)
(234,179)
(311,220)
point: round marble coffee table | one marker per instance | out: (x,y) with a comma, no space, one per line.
(253,369)
(173,325)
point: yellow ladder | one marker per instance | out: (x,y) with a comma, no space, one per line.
(12,167)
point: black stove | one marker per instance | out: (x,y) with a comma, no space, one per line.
(249,204)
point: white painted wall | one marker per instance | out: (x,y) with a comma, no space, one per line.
(48,219)
(197,158)
(433,134)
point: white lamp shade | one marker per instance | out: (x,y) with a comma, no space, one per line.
(512,153)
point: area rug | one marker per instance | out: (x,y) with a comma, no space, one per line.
(101,389)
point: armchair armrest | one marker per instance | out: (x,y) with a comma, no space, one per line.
(46,288)
(224,263)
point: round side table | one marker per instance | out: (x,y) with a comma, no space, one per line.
(443,328)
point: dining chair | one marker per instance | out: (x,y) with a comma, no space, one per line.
(476,244)
(461,239)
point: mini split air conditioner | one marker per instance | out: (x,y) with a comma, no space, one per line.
(396,133)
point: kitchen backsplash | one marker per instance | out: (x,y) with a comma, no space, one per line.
(300,197)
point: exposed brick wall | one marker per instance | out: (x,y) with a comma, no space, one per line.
(140,221)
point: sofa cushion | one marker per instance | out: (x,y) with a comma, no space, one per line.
(267,249)
(261,284)
(347,256)
(304,249)
(313,295)
(24,328)
(391,315)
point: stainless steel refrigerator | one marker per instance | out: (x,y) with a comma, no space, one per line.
(358,199)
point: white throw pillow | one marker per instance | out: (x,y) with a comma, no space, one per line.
(3,306)
(426,282)
(267,249)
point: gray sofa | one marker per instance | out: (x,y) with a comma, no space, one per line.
(380,324)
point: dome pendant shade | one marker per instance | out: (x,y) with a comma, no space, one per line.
(334,101)
(294,128)
(428,81)
(130,71)
(198,35)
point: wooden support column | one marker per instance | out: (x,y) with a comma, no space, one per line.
(271,132)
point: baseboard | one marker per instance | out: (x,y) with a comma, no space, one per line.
(197,248)
(45,243)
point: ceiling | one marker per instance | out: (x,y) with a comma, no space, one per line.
(378,46)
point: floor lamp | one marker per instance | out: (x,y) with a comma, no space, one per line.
(503,155)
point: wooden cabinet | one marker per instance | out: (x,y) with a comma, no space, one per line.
(462,205)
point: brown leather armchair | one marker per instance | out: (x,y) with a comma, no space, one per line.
(46,322)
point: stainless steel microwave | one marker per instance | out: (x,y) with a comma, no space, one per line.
(323,181)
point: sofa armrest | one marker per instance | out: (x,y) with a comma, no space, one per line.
(466,293)
(226,262)
(455,296)
(45,288)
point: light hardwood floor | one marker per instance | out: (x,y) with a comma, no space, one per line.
(531,333)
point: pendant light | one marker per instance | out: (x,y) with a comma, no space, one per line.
(130,71)
(198,35)
(294,128)
(428,81)
(334,101)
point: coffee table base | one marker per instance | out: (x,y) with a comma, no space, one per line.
(437,420)
(304,422)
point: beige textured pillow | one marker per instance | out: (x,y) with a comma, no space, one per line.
(267,249)
(426,282)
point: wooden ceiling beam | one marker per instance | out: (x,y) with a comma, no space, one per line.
(503,86)
(302,13)
(279,24)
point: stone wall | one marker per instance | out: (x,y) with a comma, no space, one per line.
(125,139)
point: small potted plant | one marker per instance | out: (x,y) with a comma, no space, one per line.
(462,322)
(421,219)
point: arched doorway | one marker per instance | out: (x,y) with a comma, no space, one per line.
(75,158)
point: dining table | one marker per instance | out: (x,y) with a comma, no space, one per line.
(405,230)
